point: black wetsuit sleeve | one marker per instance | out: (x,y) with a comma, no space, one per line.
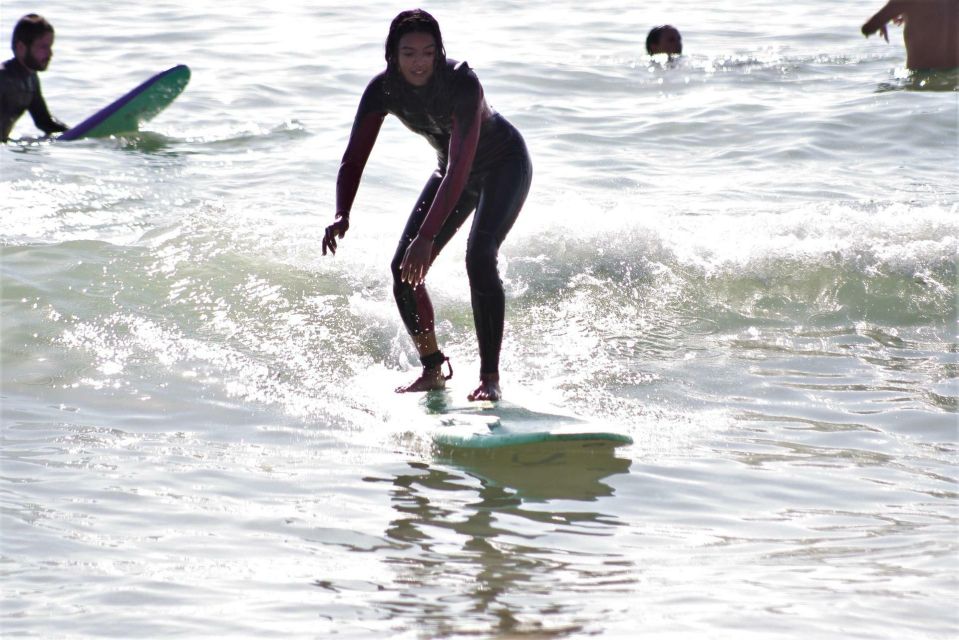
(464,139)
(366,127)
(41,115)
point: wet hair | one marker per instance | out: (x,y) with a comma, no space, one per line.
(29,28)
(652,38)
(412,21)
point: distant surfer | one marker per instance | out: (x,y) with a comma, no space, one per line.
(664,39)
(483,165)
(32,45)
(931,32)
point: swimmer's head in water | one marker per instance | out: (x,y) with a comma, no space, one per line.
(664,39)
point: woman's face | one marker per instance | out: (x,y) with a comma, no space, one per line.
(416,54)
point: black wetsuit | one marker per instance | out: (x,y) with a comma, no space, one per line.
(19,92)
(485,165)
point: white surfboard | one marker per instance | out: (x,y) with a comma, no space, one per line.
(492,425)
(520,419)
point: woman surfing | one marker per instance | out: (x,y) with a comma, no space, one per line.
(482,166)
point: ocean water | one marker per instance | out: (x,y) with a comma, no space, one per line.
(745,259)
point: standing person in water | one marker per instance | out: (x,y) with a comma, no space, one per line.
(32,44)
(483,166)
(931,33)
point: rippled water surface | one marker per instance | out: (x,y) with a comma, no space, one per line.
(744,259)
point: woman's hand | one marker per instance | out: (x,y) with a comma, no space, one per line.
(417,260)
(336,230)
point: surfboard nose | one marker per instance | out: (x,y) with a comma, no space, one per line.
(139,105)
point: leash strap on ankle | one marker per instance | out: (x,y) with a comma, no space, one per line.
(436,360)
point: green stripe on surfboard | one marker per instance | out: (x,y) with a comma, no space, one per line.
(495,440)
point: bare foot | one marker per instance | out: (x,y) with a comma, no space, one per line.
(432,379)
(488,388)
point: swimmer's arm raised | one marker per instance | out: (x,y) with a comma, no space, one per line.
(893,10)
